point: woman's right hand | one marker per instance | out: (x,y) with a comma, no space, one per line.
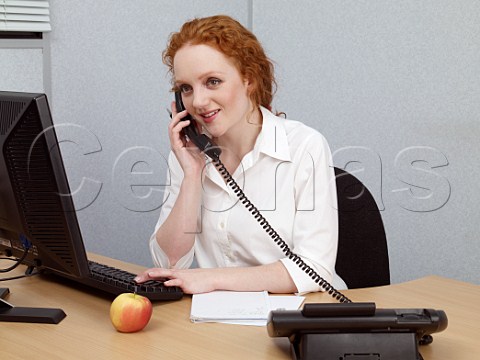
(188,155)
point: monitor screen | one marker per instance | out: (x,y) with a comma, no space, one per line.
(36,208)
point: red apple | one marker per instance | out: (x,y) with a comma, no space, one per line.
(130,312)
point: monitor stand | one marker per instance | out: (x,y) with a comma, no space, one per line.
(8,312)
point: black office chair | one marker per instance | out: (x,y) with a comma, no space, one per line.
(362,258)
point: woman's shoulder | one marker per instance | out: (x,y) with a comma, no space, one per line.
(294,127)
(294,134)
(299,132)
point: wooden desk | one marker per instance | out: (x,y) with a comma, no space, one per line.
(86,332)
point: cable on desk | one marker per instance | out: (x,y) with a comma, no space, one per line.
(27,274)
(26,247)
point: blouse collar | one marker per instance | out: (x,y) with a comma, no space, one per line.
(272,140)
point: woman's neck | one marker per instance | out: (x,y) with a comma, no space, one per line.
(240,140)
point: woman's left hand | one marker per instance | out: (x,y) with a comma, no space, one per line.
(191,281)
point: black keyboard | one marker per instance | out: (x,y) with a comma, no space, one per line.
(117,281)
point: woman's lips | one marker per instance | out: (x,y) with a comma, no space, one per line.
(210,116)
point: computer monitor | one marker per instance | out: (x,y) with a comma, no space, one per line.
(38,222)
(36,206)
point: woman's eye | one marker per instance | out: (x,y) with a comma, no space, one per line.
(185,88)
(213,82)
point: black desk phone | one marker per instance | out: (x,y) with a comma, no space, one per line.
(343,331)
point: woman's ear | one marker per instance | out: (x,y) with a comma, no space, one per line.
(250,85)
(248,80)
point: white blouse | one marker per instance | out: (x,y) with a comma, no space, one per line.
(289,177)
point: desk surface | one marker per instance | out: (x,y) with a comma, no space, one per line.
(86,332)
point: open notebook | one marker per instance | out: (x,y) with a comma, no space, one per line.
(245,308)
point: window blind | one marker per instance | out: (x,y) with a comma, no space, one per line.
(24,15)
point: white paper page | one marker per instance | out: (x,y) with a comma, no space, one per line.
(229,305)
(241,308)
(277,302)
(280,302)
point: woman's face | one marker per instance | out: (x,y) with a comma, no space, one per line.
(213,91)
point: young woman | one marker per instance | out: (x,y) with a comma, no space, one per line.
(283,166)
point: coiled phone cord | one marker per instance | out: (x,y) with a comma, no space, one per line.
(275,236)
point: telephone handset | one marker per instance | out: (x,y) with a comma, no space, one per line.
(205,144)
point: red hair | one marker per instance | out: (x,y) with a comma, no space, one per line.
(228,36)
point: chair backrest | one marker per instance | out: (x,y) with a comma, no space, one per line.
(362,258)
